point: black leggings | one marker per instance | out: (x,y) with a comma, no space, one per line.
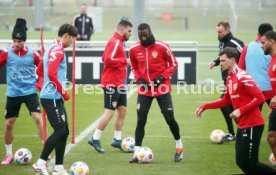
(166,106)
(247,151)
(57,117)
(226,111)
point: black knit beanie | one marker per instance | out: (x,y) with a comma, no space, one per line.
(19,30)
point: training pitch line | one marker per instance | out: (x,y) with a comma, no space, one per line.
(89,129)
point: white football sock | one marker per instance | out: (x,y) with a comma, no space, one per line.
(97,134)
(41,162)
(9,149)
(59,168)
(179,143)
(137,150)
(118,135)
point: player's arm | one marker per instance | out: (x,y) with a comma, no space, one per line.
(223,102)
(172,63)
(134,65)
(3,57)
(254,91)
(242,58)
(39,70)
(109,57)
(56,56)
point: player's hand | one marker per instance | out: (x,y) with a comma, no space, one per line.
(157,81)
(235,114)
(198,112)
(212,64)
(273,102)
(78,36)
(66,96)
(128,61)
(85,37)
(143,83)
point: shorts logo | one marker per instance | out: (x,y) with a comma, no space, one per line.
(114,104)
(138,106)
(63,117)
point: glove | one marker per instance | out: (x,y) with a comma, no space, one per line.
(66,96)
(157,81)
(143,83)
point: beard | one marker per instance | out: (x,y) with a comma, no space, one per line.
(125,37)
(267,51)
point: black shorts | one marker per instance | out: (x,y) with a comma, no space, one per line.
(55,111)
(272,121)
(13,105)
(114,97)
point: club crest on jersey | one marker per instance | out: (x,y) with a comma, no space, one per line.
(273,67)
(138,106)
(114,104)
(154,54)
(235,86)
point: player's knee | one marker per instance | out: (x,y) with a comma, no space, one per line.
(169,115)
(61,132)
(10,123)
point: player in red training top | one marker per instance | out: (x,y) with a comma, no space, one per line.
(269,46)
(246,97)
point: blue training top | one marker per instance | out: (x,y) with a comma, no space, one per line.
(257,65)
(49,91)
(20,74)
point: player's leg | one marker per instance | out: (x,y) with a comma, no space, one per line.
(34,108)
(226,111)
(166,105)
(57,118)
(60,147)
(247,151)
(120,118)
(13,105)
(143,106)
(271,136)
(110,104)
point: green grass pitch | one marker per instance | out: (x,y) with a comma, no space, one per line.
(201,156)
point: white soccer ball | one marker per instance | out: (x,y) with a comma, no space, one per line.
(79,168)
(22,156)
(145,155)
(128,144)
(217,136)
(272,159)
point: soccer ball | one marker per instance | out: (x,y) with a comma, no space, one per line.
(128,145)
(217,136)
(145,155)
(272,159)
(79,168)
(22,156)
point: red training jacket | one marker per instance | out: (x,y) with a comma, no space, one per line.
(151,62)
(245,95)
(272,75)
(115,63)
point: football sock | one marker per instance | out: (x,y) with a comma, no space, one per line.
(41,162)
(97,134)
(179,143)
(9,149)
(137,150)
(118,135)
(59,168)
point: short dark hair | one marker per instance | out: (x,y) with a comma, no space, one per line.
(226,25)
(264,27)
(67,28)
(230,52)
(124,23)
(143,26)
(270,35)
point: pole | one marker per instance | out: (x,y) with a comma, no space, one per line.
(73,91)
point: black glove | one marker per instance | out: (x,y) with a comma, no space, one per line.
(157,81)
(143,83)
